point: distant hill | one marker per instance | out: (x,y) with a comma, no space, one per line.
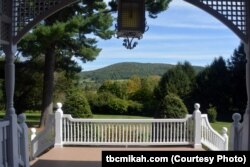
(127,69)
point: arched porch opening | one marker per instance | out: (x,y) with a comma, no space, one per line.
(15,24)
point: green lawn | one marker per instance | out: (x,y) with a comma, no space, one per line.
(32,119)
(99,116)
(219,125)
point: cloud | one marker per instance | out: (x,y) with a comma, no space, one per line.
(178,37)
(181,14)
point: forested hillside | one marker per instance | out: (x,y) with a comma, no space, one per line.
(128,69)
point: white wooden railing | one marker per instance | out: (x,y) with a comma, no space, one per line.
(45,139)
(20,130)
(3,142)
(193,130)
(126,131)
(212,139)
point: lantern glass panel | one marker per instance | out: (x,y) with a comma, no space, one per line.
(131,15)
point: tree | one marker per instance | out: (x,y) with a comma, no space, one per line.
(117,88)
(64,35)
(172,107)
(76,104)
(213,87)
(174,81)
(189,70)
(155,7)
(237,69)
(28,86)
(146,91)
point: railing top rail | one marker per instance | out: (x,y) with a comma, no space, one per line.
(4,123)
(125,120)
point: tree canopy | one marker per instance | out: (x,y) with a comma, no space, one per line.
(64,36)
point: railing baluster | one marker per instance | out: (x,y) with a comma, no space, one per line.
(82,132)
(171,126)
(78,130)
(71,132)
(181,132)
(178,132)
(124,133)
(159,132)
(105,132)
(98,132)
(163,131)
(64,129)
(134,132)
(117,133)
(141,132)
(167,124)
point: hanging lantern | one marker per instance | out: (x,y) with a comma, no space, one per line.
(131,21)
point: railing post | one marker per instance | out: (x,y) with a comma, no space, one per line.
(58,126)
(197,126)
(235,136)
(33,134)
(225,136)
(24,140)
(32,147)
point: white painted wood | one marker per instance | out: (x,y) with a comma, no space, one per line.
(236,133)
(197,126)
(3,143)
(58,126)
(126,131)
(44,139)
(23,141)
(212,139)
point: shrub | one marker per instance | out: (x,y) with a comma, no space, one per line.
(118,106)
(134,108)
(77,105)
(107,103)
(172,107)
(212,114)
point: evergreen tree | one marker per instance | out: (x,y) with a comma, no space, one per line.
(237,68)
(213,86)
(174,81)
(65,35)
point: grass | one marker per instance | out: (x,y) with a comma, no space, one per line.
(219,125)
(100,116)
(34,118)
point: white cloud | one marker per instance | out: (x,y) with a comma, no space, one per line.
(177,37)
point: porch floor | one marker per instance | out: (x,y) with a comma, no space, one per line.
(90,156)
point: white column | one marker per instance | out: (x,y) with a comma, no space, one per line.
(246,143)
(10,51)
(58,126)
(197,126)
(246,118)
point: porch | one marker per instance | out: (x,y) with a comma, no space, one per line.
(92,156)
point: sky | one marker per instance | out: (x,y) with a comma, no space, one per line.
(181,33)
